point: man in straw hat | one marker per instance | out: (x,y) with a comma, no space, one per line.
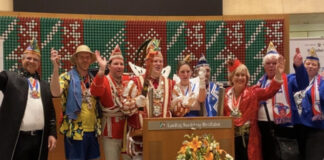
(311,105)
(269,111)
(27,115)
(109,89)
(81,123)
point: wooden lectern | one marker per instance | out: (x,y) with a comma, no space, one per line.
(163,137)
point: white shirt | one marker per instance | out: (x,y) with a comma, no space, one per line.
(262,116)
(34,114)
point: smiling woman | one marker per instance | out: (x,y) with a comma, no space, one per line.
(241,103)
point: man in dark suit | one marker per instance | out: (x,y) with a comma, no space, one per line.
(27,115)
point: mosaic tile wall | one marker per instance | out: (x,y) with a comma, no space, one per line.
(244,39)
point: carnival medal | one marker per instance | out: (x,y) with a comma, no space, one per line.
(236,113)
(33,85)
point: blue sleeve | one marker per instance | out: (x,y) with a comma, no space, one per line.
(307,111)
(307,114)
(299,80)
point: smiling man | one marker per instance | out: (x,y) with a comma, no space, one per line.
(27,115)
(109,89)
(137,92)
(81,122)
(284,125)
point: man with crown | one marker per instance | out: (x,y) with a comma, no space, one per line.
(269,110)
(81,124)
(311,101)
(209,107)
(27,115)
(137,91)
(109,89)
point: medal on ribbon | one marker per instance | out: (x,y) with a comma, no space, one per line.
(33,85)
(236,113)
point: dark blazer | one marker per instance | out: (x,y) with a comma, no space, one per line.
(15,90)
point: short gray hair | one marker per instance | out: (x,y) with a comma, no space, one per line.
(269,56)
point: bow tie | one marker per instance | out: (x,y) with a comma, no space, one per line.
(26,74)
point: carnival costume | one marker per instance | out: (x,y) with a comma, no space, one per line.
(282,109)
(22,90)
(312,114)
(245,111)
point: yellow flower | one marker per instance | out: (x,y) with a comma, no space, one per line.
(195,144)
(217,147)
(182,149)
(209,156)
(201,147)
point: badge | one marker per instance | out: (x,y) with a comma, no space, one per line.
(35,94)
(236,114)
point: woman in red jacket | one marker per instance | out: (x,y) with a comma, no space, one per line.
(241,103)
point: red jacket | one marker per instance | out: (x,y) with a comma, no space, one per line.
(113,119)
(249,106)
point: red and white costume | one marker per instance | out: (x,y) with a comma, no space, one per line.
(113,121)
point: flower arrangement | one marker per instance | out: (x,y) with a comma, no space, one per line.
(203,147)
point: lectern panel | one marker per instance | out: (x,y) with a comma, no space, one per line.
(163,137)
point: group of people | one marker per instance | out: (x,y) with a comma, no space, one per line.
(113,106)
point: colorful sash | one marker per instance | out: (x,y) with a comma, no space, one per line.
(316,105)
(281,104)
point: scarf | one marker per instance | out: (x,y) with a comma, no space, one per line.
(280,102)
(74,97)
(316,105)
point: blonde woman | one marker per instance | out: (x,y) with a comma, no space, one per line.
(241,103)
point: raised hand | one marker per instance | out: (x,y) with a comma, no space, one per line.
(298,59)
(202,77)
(102,62)
(55,57)
(280,67)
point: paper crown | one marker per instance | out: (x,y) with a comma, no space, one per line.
(82,48)
(116,53)
(271,49)
(312,55)
(202,61)
(233,64)
(153,47)
(33,48)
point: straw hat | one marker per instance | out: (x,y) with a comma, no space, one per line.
(83,48)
